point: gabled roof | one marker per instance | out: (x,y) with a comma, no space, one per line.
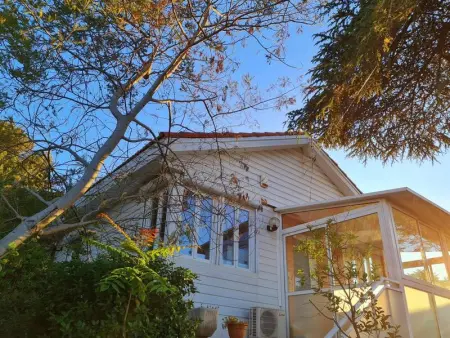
(172,136)
(194,141)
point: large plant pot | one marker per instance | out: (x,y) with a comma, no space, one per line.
(238,330)
(208,321)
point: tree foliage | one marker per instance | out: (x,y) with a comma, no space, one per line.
(380,86)
(21,170)
(18,163)
(115,295)
(92,80)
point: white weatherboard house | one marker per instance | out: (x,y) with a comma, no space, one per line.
(262,179)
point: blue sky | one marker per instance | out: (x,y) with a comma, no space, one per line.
(429,180)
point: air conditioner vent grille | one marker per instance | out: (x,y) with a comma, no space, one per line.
(268,322)
(253,322)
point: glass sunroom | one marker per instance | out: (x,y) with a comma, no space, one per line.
(410,237)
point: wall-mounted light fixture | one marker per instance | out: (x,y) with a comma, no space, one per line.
(274,224)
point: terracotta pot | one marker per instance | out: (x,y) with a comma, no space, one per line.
(237,330)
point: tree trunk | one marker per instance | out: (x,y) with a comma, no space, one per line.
(40,220)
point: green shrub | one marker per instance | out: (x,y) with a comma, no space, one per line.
(113,296)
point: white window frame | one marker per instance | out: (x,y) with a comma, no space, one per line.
(216,238)
(195,226)
(251,238)
(322,223)
(412,282)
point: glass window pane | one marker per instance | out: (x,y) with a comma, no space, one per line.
(410,246)
(434,255)
(228,235)
(187,225)
(296,218)
(299,262)
(154,213)
(422,318)
(443,315)
(204,229)
(447,241)
(362,236)
(304,319)
(243,238)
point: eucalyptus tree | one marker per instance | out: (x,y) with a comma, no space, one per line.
(90,80)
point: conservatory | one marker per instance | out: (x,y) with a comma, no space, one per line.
(410,241)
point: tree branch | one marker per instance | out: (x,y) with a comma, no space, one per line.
(12,208)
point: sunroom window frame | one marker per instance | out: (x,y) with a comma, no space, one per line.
(415,282)
(323,223)
(376,208)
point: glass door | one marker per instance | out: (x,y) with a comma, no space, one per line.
(308,316)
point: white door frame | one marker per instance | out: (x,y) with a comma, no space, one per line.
(321,223)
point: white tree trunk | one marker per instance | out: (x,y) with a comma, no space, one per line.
(40,220)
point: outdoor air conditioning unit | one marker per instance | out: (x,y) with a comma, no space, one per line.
(267,323)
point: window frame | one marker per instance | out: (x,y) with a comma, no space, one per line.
(195,225)
(216,236)
(251,243)
(323,223)
(375,208)
(422,285)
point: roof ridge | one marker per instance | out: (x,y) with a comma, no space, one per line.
(190,134)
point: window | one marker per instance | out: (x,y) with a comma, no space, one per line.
(215,232)
(421,250)
(434,255)
(367,240)
(228,236)
(204,228)
(362,246)
(235,237)
(298,261)
(155,215)
(366,244)
(428,313)
(186,239)
(197,222)
(411,253)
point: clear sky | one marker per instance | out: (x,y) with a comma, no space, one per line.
(429,180)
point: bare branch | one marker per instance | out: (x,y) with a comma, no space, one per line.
(35,194)
(66,227)
(18,216)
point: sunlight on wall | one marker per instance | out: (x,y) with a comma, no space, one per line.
(421,314)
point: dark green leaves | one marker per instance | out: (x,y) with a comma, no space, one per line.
(40,297)
(381,84)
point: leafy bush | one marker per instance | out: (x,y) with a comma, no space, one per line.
(117,295)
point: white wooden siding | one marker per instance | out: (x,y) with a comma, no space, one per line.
(293,179)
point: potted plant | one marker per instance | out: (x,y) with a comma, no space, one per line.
(236,327)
